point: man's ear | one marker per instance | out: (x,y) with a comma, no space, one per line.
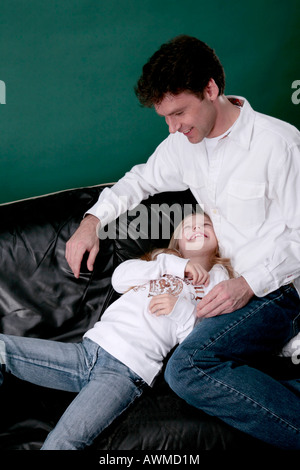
(211,91)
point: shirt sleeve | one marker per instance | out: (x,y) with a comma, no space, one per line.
(133,273)
(161,173)
(281,263)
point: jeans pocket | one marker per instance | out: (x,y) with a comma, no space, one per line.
(91,352)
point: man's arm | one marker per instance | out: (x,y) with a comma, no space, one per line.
(281,263)
(162,172)
(84,239)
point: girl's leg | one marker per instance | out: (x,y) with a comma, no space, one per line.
(111,389)
(107,387)
(63,366)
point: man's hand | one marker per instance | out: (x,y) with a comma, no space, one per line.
(162,304)
(197,273)
(84,239)
(225,297)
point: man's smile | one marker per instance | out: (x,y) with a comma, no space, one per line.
(187,132)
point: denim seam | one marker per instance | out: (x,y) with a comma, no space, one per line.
(137,393)
(43,364)
(246,397)
(90,364)
(295,324)
(238,322)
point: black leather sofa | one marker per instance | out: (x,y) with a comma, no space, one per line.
(40,297)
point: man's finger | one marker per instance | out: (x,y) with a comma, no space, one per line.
(76,260)
(214,311)
(208,304)
(92,257)
(207,299)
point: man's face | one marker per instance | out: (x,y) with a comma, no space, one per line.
(188,114)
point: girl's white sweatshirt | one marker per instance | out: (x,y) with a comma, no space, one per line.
(136,337)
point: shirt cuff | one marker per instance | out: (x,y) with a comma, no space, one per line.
(260,280)
(183,311)
(101,211)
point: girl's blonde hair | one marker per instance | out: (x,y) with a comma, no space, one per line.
(173,249)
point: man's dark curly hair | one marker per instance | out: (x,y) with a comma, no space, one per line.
(183,64)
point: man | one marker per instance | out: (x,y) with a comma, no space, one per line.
(245,168)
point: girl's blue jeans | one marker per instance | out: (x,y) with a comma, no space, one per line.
(217,368)
(105,386)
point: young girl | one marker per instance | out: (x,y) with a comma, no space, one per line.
(124,351)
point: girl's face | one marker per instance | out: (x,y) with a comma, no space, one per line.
(197,234)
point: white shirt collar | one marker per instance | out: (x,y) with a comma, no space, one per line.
(242,131)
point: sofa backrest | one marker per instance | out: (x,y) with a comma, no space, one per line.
(39,295)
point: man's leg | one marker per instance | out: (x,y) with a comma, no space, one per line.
(216,369)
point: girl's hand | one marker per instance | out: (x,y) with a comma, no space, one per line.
(197,273)
(162,304)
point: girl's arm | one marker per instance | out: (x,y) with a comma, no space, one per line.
(179,309)
(133,273)
(184,314)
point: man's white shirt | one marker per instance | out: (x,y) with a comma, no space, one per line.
(249,185)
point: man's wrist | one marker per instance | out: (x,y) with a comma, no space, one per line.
(247,288)
(246,284)
(90,218)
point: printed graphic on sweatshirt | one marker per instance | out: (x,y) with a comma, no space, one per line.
(199,293)
(169,284)
(166,285)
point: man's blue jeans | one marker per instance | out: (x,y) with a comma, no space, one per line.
(216,368)
(105,386)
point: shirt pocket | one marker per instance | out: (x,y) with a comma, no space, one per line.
(246,203)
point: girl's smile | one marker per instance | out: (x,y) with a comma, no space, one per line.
(197,238)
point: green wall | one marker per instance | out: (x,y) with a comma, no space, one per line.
(71,117)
